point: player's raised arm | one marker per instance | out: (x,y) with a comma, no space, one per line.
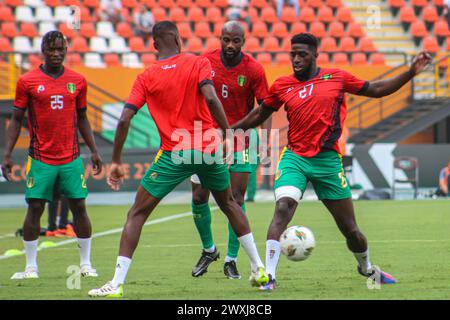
(215,106)
(11,138)
(255,118)
(385,87)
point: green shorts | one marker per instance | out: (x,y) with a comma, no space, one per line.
(42,178)
(165,173)
(244,160)
(324,171)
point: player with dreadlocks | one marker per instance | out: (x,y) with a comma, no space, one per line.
(55,98)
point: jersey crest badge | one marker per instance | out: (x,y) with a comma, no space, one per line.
(40,89)
(71,87)
(326,77)
(242,80)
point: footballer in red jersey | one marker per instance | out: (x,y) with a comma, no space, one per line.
(55,99)
(178,91)
(239,80)
(314,99)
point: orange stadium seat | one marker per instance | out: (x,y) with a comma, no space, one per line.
(35,60)
(72,3)
(271,44)
(28,29)
(366,45)
(177,15)
(325,14)
(288,15)
(430,44)
(340,58)
(136,44)
(79,44)
(194,45)
(377,59)
(323,58)
(85,15)
(286,44)
(202,30)
(344,15)
(447,44)
(264,58)
(149,3)
(87,30)
(397,4)
(316,4)
(6,14)
(307,15)
(252,44)
(213,15)
(222,4)
(148,58)
(111,59)
(441,28)
(9,29)
(418,30)
(279,30)
(253,14)
(269,15)
(203,3)
(334,4)
(260,30)
(74,59)
(429,14)
(218,29)
(93,4)
(130,4)
(347,44)
(328,44)
(13,3)
(195,14)
(66,31)
(407,15)
(5,45)
(184,29)
(419,5)
(355,30)
(124,30)
(336,29)
(260,4)
(185,4)
(159,14)
(298,27)
(359,58)
(212,43)
(318,29)
(283,58)
(52,3)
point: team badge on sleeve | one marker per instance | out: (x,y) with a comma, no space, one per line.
(242,80)
(326,77)
(71,87)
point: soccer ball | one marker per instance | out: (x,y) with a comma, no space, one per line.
(297,243)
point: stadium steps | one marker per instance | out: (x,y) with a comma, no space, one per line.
(389,35)
(418,116)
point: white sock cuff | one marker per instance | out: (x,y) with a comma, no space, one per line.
(31,243)
(124,260)
(272,243)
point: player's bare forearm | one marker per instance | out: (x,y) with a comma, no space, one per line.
(86,131)
(255,118)
(121,134)
(267,126)
(13,131)
(215,106)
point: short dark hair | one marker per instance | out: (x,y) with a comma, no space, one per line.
(50,37)
(162,27)
(305,38)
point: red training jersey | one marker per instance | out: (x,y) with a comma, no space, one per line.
(315,108)
(171,89)
(52,105)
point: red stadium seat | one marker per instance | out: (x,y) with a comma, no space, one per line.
(430,44)
(260,4)
(253,14)
(336,29)
(149,3)
(9,29)
(72,3)
(52,3)
(93,4)
(159,14)
(283,58)
(203,3)
(124,30)
(136,44)
(288,15)
(79,44)
(148,58)
(429,14)
(344,15)
(218,29)
(419,3)
(202,30)
(185,4)
(347,44)
(260,30)
(323,58)
(6,14)
(335,4)
(269,15)
(222,4)
(252,45)
(73,59)
(35,60)
(195,14)
(111,60)
(355,30)
(213,15)
(212,43)
(447,44)
(129,4)
(194,45)
(407,15)
(359,58)
(325,14)
(397,4)
(318,29)
(298,27)
(377,59)
(328,44)
(177,15)
(13,3)
(316,4)
(366,45)
(87,30)
(5,45)
(441,28)
(340,58)
(69,33)
(279,30)
(185,30)
(264,58)
(28,30)
(307,15)
(271,44)
(418,29)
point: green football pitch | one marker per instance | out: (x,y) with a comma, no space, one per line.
(409,239)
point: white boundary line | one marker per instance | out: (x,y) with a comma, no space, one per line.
(6,236)
(113,231)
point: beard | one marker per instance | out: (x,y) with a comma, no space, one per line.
(304,73)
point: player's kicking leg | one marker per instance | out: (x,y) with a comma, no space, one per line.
(343,213)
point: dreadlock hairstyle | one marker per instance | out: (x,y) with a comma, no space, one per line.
(305,38)
(50,38)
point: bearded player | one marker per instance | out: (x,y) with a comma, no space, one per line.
(238,80)
(55,98)
(314,100)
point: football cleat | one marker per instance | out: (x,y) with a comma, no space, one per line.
(203,263)
(30,273)
(378,275)
(269,286)
(230,270)
(107,291)
(259,278)
(88,272)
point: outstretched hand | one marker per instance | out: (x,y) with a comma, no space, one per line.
(420,62)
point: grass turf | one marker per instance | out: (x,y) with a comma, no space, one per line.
(409,239)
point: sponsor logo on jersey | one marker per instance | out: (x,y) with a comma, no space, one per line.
(242,80)
(326,77)
(40,89)
(213,73)
(71,87)
(290,89)
(167,66)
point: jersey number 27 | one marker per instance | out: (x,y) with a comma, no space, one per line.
(306,91)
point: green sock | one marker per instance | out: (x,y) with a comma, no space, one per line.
(233,242)
(202,219)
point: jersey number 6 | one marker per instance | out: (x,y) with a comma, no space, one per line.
(224,91)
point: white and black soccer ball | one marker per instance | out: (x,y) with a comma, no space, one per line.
(297,243)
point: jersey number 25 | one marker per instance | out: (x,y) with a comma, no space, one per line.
(57,102)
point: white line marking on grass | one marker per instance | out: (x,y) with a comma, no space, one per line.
(117,230)
(5,236)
